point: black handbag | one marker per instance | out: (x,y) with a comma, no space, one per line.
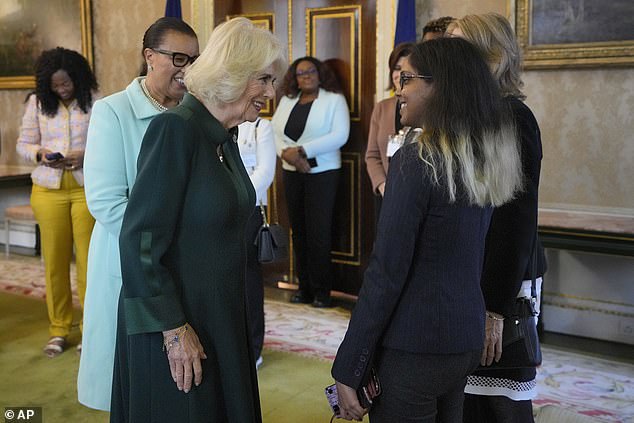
(271,241)
(520,342)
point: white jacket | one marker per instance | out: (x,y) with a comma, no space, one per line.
(257,149)
(327,129)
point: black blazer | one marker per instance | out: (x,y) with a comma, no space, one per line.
(509,243)
(421,290)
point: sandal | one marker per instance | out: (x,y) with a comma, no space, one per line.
(55,346)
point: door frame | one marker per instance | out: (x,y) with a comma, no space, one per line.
(202,13)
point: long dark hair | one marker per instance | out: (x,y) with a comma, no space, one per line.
(327,79)
(155,34)
(78,69)
(469,138)
(465,95)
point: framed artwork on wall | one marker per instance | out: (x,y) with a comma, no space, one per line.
(28,27)
(574,33)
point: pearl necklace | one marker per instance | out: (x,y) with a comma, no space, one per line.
(154,101)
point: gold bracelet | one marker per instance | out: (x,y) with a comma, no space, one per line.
(494,317)
(175,339)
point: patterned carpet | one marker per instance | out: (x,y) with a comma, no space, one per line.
(25,275)
(588,385)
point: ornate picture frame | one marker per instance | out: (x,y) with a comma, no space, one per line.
(28,27)
(344,53)
(574,33)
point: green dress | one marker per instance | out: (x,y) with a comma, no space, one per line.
(183,257)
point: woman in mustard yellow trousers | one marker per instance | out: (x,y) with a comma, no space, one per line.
(53,135)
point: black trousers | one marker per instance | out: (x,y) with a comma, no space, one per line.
(311,201)
(496,409)
(378,202)
(254,285)
(421,388)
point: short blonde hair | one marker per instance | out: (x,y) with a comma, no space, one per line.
(493,35)
(235,52)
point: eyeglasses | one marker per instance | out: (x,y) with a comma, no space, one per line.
(405,76)
(306,72)
(178,59)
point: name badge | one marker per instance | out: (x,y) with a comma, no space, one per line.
(394,143)
(250,160)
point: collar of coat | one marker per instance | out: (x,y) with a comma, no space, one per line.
(209,123)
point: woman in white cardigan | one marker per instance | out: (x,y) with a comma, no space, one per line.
(257,150)
(311,124)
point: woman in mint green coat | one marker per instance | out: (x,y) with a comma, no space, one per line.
(115,133)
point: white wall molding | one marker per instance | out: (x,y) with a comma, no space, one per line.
(589,295)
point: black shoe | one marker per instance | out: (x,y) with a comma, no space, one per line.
(324,303)
(301,298)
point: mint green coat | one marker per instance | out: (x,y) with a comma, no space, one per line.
(117,126)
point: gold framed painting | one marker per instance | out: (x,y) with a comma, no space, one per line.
(574,33)
(28,27)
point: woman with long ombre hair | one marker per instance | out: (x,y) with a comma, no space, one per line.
(420,317)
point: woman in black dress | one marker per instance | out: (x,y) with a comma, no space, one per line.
(505,395)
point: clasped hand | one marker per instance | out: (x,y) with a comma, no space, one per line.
(74,160)
(296,156)
(184,358)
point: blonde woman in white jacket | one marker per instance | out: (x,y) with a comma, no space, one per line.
(257,150)
(311,124)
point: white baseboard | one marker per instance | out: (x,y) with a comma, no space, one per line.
(589,318)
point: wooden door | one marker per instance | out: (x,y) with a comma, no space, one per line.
(343,34)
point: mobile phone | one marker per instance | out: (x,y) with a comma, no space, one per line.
(365,394)
(54,156)
(333,398)
(369,391)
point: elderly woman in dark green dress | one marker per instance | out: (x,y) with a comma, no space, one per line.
(183,349)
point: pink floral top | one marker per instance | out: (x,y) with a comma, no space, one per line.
(64,132)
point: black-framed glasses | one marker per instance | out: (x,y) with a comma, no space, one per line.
(306,72)
(178,59)
(406,76)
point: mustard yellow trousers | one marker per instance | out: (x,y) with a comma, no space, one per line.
(64,219)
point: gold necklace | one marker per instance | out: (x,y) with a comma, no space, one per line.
(154,101)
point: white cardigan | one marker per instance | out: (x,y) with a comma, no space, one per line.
(327,129)
(257,151)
